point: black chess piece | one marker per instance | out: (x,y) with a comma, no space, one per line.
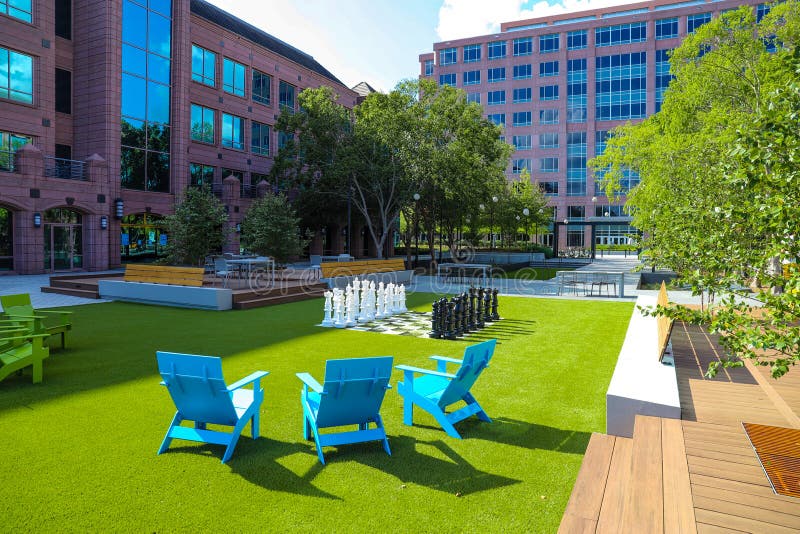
(449,331)
(457,315)
(436,331)
(443,317)
(479,309)
(472,324)
(495,303)
(487,306)
(465,313)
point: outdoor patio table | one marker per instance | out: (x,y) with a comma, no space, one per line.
(269,263)
(449,267)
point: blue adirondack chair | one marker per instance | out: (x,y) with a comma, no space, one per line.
(199,392)
(352,395)
(437,390)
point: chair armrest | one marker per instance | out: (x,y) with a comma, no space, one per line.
(55,311)
(409,369)
(29,336)
(442,361)
(246,380)
(18,317)
(309,381)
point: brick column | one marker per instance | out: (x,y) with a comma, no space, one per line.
(231,197)
(100,245)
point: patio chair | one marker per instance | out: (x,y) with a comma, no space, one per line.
(45,322)
(603,280)
(571,281)
(200,394)
(222,270)
(437,390)
(351,395)
(19,348)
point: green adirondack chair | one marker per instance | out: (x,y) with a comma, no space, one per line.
(19,348)
(19,307)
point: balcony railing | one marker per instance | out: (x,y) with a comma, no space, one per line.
(65,169)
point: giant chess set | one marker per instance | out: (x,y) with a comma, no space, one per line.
(366,307)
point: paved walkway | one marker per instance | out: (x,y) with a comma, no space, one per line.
(32,284)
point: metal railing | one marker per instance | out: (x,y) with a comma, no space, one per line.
(65,169)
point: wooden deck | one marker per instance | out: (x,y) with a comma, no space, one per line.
(697,474)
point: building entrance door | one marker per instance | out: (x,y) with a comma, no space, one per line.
(63,240)
(6,240)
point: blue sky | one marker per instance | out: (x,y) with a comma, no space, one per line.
(379,41)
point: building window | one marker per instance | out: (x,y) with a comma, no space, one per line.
(695,21)
(522,118)
(474,97)
(576,213)
(520,165)
(239,175)
(548,92)
(663,77)
(286,96)
(523,46)
(472,77)
(548,140)
(576,91)
(259,138)
(201,174)
(233,76)
(145,98)
(428,67)
(496,49)
(548,43)
(472,53)
(232,132)
(548,68)
(447,56)
(448,79)
(522,142)
(284,139)
(621,86)
(262,87)
(202,124)
(576,164)
(496,75)
(9,143)
(635,32)
(63,91)
(19,9)
(63,12)
(523,72)
(548,165)
(548,116)
(523,94)
(203,65)
(496,98)
(666,28)
(549,189)
(498,119)
(16,76)
(576,40)
(761,11)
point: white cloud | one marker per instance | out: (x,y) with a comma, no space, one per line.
(469,18)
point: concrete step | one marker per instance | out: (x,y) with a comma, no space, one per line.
(85,293)
(259,302)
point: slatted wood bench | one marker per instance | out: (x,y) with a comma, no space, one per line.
(392,270)
(162,274)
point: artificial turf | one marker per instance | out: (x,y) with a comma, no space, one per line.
(79,450)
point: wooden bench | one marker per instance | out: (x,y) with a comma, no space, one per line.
(664,326)
(162,274)
(339,274)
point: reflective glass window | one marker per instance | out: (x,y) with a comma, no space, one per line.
(158,68)
(428,67)
(496,98)
(472,77)
(16,76)
(232,131)
(548,92)
(474,97)
(286,96)
(262,87)
(19,9)
(548,43)
(496,75)
(159,31)
(548,116)
(498,119)
(134,60)
(521,142)
(204,65)
(447,56)
(133,90)
(134,24)
(259,138)
(520,165)
(522,118)
(496,49)
(695,21)
(522,72)
(472,53)
(157,102)
(523,46)
(448,79)
(548,68)
(522,94)
(576,40)
(233,76)
(666,28)
(201,174)
(202,124)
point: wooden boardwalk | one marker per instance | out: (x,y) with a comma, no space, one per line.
(697,474)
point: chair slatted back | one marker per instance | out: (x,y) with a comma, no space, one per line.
(353,390)
(197,387)
(476,359)
(20,299)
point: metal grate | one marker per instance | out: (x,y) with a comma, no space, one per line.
(778,450)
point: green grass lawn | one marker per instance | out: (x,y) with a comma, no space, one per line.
(79,450)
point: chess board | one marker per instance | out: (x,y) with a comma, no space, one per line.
(410,323)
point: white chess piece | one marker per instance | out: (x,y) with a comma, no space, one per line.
(402,299)
(388,293)
(349,320)
(338,311)
(356,299)
(328,319)
(380,309)
(371,311)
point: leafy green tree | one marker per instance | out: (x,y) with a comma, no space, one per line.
(718,198)
(198,227)
(270,228)
(517,199)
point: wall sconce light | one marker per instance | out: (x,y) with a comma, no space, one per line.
(119,208)
(37,220)
(103,222)
(238,228)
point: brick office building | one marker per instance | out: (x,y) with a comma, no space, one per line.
(559,84)
(109,110)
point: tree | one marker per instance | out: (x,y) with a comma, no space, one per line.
(270,228)
(720,169)
(197,228)
(517,197)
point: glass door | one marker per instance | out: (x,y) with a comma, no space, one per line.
(63,240)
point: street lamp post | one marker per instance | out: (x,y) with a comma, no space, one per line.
(594,228)
(416,230)
(526,212)
(491,222)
